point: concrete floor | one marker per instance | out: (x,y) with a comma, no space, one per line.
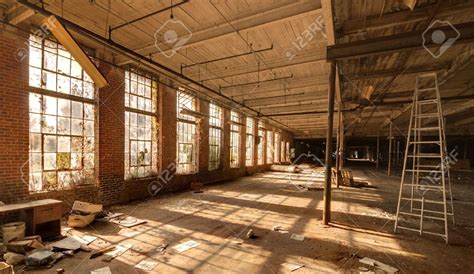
(362,226)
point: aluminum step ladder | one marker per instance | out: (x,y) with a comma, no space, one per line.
(425,200)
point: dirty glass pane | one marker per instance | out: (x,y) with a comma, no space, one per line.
(49,124)
(64,144)
(88,112)
(76,70)
(63,160)
(49,80)
(49,180)
(64,84)
(49,144)
(35,162)
(89,144)
(76,110)
(88,90)
(35,142)
(35,57)
(76,160)
(50,105)
(35,122)
(76,126)
(76,87)
(88,128)
(35,103)
(36,182)
(64,179)
(50,61)
(64,107)
(64,125)
(49,161)
(64,65)
(76,144)
(35,77)
(88,160)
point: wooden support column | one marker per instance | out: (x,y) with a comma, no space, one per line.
(327,183)
(378,149)
(389,170)
(338,145)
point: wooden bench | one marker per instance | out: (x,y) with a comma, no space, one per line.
(42,217)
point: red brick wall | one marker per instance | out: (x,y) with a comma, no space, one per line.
(111,141)
(14,116)
(110,187)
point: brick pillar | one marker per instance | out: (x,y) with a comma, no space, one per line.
(204,140)
(167,118)
(14,115)
(111,140)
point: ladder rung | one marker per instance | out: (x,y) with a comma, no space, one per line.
(425,128)
(425,142)
(426,200)
(427,89)
(432,211)
(426,155)
(427,115)
(433,233)
(428,101)
(424,186)
(424,170)
(427,166)
(409,214)
(408,228)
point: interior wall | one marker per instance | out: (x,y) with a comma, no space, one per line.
(110,186)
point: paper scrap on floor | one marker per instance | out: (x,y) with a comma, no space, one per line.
(297,237)
(119,250)
(147,265)
(385,267)
(185,246)
(84,239)
(103,270)
(292,266)
(127,221)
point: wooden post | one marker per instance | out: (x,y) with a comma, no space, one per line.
(378,148)
(338,145)
(327,183)
(389,170)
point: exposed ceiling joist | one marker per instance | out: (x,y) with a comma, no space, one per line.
(391,72)
(399,42)
(447,8)
(19,15)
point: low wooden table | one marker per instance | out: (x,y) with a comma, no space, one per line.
(42,217)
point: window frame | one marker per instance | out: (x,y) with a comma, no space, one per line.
(215,128)
(190,123)
(249,142)
(234,144)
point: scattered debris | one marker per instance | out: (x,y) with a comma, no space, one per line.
(292,266)
(25,245)
(280,229)
(60,270)
(99,252)
(161,248)
(235,240)
(39,258)
(127,221)
(103,270)
(251,235)
(185,246)
(13,258)
(385,267)
(297,237)
(67,244)
(84,239)
(147,265)
(6,268)
(106,216)
(82,214)
(119,250)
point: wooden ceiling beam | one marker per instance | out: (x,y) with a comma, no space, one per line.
(376,22)
(392,72)
(399,42)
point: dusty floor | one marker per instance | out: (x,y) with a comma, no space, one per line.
(362,226)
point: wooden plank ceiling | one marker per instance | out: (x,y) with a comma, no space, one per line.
(289,91)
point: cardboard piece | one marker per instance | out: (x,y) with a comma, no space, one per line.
(83,213)
(25,245)
(6,268)
(118,250)
(385,267)
(67,244)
